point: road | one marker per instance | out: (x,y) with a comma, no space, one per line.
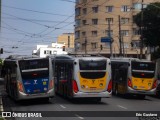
(72,108)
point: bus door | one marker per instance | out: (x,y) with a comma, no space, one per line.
(35,75)
(123,78)
(63,77)
(120,77)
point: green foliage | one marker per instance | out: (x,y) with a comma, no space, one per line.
(1,62)
(150,24)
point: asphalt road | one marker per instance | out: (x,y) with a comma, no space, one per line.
(64,109)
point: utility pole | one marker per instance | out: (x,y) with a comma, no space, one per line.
(109,35)
(85,45)
(141,31)
(68,41)
(123,46)
(0,12)
(120,37)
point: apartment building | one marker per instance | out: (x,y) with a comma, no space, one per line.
(113,19)
(67,39)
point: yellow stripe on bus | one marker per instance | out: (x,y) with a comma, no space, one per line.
(89,85)
(142,83)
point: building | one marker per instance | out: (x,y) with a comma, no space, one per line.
(45,50)
(95,19)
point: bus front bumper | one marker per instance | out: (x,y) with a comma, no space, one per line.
(91,94)
(144,92)
(23,96)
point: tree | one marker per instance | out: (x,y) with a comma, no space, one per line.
(150,24)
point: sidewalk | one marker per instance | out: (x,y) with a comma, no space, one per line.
(1,103)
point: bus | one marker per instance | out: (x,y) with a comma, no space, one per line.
(82,76)
(158,77)
(28,77)
(132,76)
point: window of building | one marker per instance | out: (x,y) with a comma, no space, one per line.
(107,32)
(77,11)
(109,20)
(125,8)
(77,22)
(84,11)
(94,33)
(126,45)
(109,8)
(84,34)
(94,45)
(136,31)
(124,20)
(77,34)
(137,6)
(84,1)
(84,22)
(48,52)
(125,32)
(94,21)
(135,44)
(95,9)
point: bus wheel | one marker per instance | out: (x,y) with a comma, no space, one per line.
(141,96)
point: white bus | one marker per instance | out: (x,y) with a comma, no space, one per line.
(133,76)
(82,76)
(28,77)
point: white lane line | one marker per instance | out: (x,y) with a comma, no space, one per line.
(1,104)
(122,107)
(79,117)
(63,106)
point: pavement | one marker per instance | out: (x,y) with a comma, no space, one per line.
(1,102)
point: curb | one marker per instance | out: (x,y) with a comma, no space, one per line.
(1,108)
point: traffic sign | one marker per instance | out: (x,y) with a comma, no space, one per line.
(105,39)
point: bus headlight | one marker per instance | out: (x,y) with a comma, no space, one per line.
(101,84)
(82,86)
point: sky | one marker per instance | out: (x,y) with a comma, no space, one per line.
(27,23)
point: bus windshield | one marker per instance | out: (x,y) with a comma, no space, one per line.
(36,68)
(143,69)
(92,64)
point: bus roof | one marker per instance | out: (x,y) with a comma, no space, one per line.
(124,59)
(21,57)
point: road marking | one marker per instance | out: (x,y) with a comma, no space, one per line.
(63,106)
(79,117)
(121,107)
(1,104)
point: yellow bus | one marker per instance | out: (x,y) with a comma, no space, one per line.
(133,76)
(82,76)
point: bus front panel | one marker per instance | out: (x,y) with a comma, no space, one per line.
(143,75)
(35,75)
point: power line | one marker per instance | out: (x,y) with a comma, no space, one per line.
(68,1)
(29,10)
